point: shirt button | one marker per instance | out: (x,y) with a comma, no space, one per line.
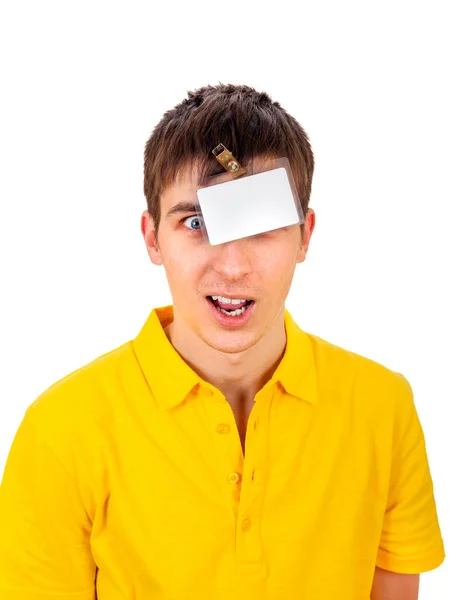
(255,425)
(246,524)
(252,476)
(233,477)
(223,428)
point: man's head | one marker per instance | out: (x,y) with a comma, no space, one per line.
(178,160)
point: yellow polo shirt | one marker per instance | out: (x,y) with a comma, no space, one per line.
(127,478)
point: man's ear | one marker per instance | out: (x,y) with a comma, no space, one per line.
(151,238)
(309,226)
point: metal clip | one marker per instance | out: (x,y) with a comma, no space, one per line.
(225,158)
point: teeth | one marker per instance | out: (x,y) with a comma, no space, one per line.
(224,300)
(232,313)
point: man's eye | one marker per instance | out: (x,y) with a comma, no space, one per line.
(194,221)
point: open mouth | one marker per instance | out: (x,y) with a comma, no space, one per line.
(233,310)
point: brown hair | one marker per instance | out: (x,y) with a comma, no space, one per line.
(246,121)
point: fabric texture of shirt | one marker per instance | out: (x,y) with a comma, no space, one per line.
(126,479)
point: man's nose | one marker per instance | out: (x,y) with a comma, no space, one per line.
(231,259)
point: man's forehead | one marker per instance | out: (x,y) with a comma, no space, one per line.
(188,178)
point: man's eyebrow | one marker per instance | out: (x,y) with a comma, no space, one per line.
(181,207)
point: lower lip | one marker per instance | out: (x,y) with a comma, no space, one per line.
(231,322)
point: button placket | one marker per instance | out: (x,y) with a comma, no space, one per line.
(253,440)
(249,546)
(223,428)
(228,458)
(233,477)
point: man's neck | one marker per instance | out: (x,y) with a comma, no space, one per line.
(238,376)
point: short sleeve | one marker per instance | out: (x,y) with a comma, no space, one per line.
(44,528)
(411,540)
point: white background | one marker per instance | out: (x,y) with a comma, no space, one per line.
(374,85)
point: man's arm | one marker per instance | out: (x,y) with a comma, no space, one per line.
(44,528)
(410,539)
(388,585)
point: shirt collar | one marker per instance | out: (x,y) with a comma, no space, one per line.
(171,379)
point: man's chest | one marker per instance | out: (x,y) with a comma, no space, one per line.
(241,416)
(234,488)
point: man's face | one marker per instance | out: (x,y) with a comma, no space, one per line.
(258,268)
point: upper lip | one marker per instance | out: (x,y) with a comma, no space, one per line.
(231,297)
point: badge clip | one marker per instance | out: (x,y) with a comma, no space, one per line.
(225,159)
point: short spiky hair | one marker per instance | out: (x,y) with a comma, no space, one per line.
(246,121)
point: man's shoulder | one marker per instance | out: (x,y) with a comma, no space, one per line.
(83,395)
(327,353)
(358,373)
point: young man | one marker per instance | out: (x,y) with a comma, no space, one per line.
(218,456)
